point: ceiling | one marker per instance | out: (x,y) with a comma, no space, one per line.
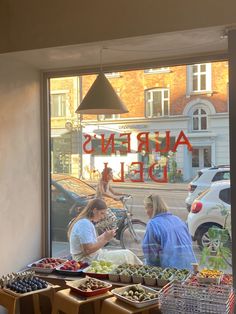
(158,48)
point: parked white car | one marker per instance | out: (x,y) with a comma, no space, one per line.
(203,181)
(208,210)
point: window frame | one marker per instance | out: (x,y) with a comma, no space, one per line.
(208,73)
(199,117)
(45,131)
(147,101)
(60,93)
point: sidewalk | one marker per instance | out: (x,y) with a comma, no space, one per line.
(150,185)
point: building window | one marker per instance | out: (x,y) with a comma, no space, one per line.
(199,120)
(199,78)
(157,102)
(58,105)
(157,70)
(103,117)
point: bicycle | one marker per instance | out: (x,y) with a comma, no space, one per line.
(130,232)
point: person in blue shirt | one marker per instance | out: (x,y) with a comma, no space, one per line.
(167,242)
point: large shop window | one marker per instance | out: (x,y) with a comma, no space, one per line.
(172,143)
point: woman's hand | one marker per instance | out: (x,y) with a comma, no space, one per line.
(109,234)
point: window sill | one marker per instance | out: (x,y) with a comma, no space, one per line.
(199,131)
(157,72)
(208,93)
(157,117)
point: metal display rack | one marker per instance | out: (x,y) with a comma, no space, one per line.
(177,298)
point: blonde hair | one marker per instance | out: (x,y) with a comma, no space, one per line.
(157,203)
(87,212)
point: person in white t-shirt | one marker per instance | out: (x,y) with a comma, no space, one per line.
(86,246)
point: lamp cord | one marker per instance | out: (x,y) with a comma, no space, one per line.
(101,50)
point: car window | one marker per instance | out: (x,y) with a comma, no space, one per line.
(57,195)
(221,175)
(225,195)
(76,187)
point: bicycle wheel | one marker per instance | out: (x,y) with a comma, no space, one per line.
(131,236)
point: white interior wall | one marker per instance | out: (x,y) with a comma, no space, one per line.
(20,165)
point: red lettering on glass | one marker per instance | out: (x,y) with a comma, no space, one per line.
(127,141)
(110,141)
(88,139)
(185,141)
(143,142)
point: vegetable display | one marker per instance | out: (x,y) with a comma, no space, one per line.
(137,293)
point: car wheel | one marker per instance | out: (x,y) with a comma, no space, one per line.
(203,239)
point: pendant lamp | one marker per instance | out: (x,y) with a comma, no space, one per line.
(101,97)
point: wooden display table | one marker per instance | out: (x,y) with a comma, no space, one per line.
(11,302)
(70,303)
(115,306)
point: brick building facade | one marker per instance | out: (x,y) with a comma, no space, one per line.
(189,98)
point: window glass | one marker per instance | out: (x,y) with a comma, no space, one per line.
(207,157)
(172,132)
(157,102)
(221,175)
(224,195)
(195,157)
(195,123)
(200,77)
(203,123)
(199,120)
(58,105)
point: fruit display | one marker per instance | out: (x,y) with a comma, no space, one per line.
(209,276)
(46,265)
(72,265)
(92,284)
(227,279)
(27,285)
(100,267)
(89,286)
(25,282)
(209,273)
(137,295)
(150,275)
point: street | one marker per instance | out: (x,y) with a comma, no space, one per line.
(175,200)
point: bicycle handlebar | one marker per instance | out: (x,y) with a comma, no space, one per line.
(125,198)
